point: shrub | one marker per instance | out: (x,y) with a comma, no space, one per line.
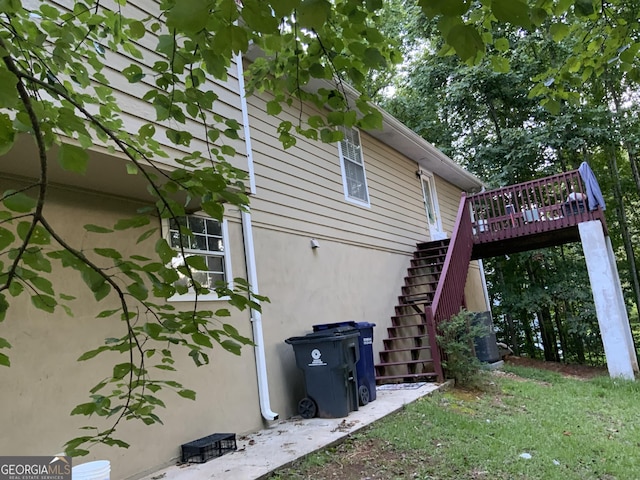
(456,340)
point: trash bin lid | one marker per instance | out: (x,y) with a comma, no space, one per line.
(337,332)
(350,324)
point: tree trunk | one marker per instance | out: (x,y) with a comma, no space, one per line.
(548,333)
(622,220)
(562,333)
(528,336)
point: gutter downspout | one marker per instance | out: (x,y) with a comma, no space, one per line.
(256,321)
(250,259)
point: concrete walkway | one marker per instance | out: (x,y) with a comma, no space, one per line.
(285,441)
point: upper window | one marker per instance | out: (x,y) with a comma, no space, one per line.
(354,177)
(208,238)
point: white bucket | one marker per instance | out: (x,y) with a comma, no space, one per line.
(98,470)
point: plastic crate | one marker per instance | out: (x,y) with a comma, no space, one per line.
(206,448)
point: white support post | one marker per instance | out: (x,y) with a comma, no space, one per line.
(631,348)
(607,296)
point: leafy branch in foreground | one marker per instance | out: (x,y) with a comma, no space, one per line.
(62,75)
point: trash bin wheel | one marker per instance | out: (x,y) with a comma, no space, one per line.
(307,408)
(363,395)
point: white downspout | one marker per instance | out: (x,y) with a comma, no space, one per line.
(250,259)
(256,321)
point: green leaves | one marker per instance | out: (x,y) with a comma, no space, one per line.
(18,202)
(4,359)
(133,73)
(73,158)
(190,394)
(8,90)
(313,13)
(433,8)
(466,41)
(188,16)
(120,370)
(6,238)
(515,12)
(7,134)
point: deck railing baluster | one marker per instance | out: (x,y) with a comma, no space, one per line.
(535,207)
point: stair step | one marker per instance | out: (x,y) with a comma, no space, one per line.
(406,378)
(432,245)
(422,297)
(418,276)
(414,309)
(440,255)
(428,286)
(394,343)
(401,331)
(425,347)
(413,319)
(396,364)
(404,355)
(426,262)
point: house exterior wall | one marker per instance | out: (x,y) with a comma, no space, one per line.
(356,274)
(358,270)
(138,112)
(45,381)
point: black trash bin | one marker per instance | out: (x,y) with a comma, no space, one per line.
(486,345)
(328,360)
(365,366)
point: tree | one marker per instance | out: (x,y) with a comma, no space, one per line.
(600,33)
(489,115)
(54,88)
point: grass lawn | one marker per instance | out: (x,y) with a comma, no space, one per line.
(522,423)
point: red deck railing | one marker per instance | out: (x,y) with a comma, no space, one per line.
(449,295)
(532,207)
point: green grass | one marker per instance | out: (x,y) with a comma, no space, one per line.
(573,429)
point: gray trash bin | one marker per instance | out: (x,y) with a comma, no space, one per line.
(486,345)
(328,360)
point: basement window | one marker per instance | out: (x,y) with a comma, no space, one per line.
(209,239)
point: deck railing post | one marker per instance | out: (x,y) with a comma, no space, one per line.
(436,352)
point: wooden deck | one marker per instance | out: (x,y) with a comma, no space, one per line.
(536,214)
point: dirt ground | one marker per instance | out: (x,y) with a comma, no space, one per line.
(370,459)
(577,371)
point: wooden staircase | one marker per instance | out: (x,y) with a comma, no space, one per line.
(407,354)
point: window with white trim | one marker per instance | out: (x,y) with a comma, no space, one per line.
(207,238)
(354,177)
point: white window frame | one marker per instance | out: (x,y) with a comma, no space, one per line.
(343,159)
(190,296)
(435,229)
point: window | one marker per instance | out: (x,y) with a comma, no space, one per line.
(208,239)
(353,175)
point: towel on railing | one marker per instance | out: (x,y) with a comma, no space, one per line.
(594,195)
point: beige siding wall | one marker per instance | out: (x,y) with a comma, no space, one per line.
(358,270)
(45,381)
(449,202)
(300,190)
(334,283)
(356,274)
(136,112)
